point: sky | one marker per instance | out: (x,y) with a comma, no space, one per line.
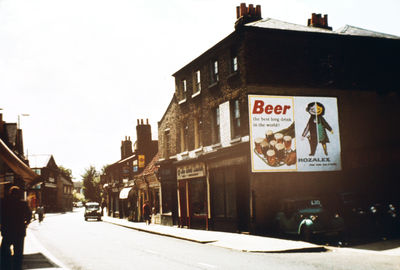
(86,70)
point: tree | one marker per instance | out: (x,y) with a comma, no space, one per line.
(91,185)
(65,171)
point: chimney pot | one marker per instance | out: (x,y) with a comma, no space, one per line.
(243,9)
(147,121)
(251,10)
(258,11)
(237,12)
(141,121)
(138,121)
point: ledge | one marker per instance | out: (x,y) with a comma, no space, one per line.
(182,101)
(196,94)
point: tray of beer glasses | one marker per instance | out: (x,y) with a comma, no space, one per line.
(275,149)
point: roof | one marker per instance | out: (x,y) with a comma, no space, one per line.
(345,30)
(356,31)
(281,25)
(16,164)
(39,161)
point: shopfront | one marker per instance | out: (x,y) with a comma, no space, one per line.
(193,195)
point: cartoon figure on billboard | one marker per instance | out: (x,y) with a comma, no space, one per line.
(316,127)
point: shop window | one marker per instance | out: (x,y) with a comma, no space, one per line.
(198,197)
(223,194)
(235,118)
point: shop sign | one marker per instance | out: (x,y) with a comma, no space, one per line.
(190,171)
(294,133)
(50,185)
(141,161)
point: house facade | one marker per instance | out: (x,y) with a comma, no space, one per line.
(330,95)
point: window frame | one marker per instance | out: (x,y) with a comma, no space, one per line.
(214,71)
(197,82)
(236,122)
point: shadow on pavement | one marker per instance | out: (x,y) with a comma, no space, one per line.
(37,261)
(382,245)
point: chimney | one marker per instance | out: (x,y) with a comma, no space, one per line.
(318,21)
(126,148)
(246,14)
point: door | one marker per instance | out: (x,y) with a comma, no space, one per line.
(183,219)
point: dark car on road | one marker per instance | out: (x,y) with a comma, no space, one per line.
(306,217)
(92,211)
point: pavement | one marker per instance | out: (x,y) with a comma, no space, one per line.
(37,257)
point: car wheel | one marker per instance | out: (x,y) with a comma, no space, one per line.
(85,218)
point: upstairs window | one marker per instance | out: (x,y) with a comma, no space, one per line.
(167,139)
(197,132)
(184,89)
(197,82)
(214,71)
(216,123)
(234,61)
(184,137)
(235,118)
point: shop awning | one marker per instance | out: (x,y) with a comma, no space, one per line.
(124,193)
(16,164)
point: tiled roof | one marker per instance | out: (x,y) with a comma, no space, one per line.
(346,30)
(151,167)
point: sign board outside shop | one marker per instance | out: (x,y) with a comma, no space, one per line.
(190,171)
(294,133)
(141,161)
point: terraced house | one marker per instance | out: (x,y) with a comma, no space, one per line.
(278,110)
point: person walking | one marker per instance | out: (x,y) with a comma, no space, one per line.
(146,212)
(40,212)
(15,217)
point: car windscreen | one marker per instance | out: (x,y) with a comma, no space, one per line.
(92,207)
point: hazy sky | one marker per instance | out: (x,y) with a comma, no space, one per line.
(86,70)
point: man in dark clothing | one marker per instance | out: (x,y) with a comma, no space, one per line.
(15,217)
(146,212)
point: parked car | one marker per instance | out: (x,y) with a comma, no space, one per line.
(385,217)
(306,217)
(353,209)
(92,211)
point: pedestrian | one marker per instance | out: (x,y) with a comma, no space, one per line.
(40,212)
(15,217)
(146,212)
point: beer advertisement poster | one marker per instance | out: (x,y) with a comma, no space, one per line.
(294,133)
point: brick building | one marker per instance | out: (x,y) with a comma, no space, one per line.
(118,180)
(14,166)
(207,137)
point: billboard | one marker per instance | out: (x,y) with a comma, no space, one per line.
(294,133)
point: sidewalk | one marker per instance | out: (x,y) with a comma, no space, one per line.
(37,257)
(252,243)
(241,242)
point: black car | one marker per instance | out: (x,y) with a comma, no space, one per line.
(306,217)
(92,211)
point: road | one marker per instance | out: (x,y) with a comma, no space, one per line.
(96,245)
